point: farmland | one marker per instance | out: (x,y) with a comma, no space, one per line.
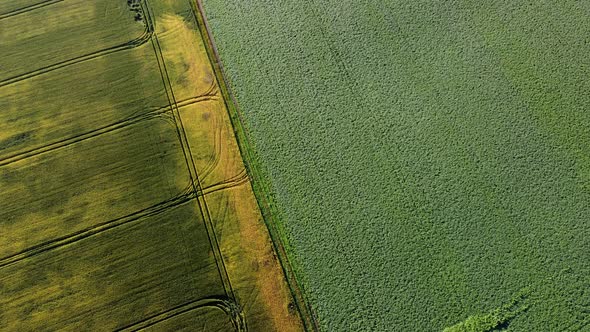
(124,200)
(428,162)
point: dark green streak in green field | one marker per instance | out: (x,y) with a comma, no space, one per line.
(438,151)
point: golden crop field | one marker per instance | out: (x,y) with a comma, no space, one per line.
(124,200)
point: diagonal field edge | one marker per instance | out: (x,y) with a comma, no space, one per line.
(306,312)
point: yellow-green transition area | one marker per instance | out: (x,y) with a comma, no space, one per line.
(124,200)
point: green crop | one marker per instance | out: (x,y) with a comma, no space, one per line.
(428,159)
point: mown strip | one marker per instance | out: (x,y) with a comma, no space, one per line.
(261,187)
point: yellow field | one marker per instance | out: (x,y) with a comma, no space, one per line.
(114,277)
(124,200)
(64,32)
(63,104)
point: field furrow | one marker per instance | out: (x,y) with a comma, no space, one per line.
(88,183)
(12,8)
(208,314)
(65,33)
(141,269)
(95,229)
(37,113)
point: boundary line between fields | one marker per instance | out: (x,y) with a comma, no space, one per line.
(201,202)
(28,8)
(262,192)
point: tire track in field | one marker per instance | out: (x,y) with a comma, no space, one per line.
(161,111)
(137,216)
(232,182)
(221,217)
(142,39)
(228,306)
(201,202)
(217,149)
(306,313)
(28,8)
(214,160)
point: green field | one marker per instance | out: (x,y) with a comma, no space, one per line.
(429,161)
(124,201)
